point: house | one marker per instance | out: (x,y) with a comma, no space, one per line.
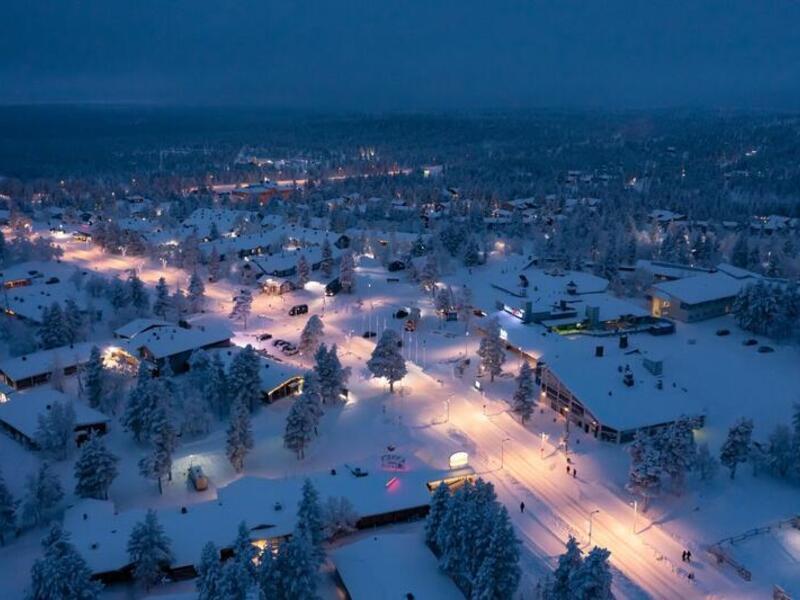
(275,286)
(37,368)
(702,297)
(278,379)
(137,326)
(173,345)
(392,567)
(19,416)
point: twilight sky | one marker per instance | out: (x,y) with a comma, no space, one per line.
(403,54)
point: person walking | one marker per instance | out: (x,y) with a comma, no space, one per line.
(522,507)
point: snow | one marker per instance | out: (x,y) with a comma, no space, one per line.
(42,362)
(137,326)
(703,288)
(162,342)
(388,567)
(22,410)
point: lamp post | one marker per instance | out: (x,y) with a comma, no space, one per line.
(541,446)
(635,505)
(447,403)
(591,514)
(502,451)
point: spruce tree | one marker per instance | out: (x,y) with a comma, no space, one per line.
(309,521)
(298,569)
(386,360)
(164,440)
(140,404)
(736,448)
(299,429)
(61,573)
(439,505)
(74,322)
(95,469)
(242,306)
(303,272)
(209,574)
(94,379)
(569,564)
(592,581)
(244,378)
(524,400)
(8,511)
(327,258)
(705,463)
(311,336)
(347,272)
(140,298)
(196,298)
(332,376)
(52,332)
(149,551)
(217,391)
(43,492)
(245,553)
(646,469)
(239,436)
(234,581)
(161,304)
(55,433)
(491,350)
(499,574)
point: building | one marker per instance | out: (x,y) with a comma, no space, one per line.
(37,368)
(173,345)
(137,326)
(278,380)
(19,415)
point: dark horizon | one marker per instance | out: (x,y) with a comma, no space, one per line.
(356,56)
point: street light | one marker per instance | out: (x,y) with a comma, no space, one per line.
(591,514)
(635,505)
(502,451)
(447,403)
(541,447)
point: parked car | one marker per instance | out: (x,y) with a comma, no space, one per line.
(401,314)
(299,309)
(333,288)
(263,337)
(750,342)
(369,334)
(279,343)
(289,350)
(198,478)
(765,349)
(723,332)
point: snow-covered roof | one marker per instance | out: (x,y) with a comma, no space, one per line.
(703,288)
(169,340)
(137,326)
(268,506)
(202,219)
(22,410)
(669,270)
(42,362)
(390,566)
(271,373)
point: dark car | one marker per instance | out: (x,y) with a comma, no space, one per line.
(300,309)
(333,288)
(765,349)
(750,342)
(263,337)
(279,343)
(369,334)
(396,265)
(401,314)
(723,332)
(478,312)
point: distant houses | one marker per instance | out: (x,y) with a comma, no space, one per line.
(33,369)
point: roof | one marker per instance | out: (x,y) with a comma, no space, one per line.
(703,288)
(266,505)
(390,566)
(39,363)
(271,373)
(166,341)
(22,410)
(137,326)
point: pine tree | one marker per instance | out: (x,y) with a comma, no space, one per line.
(645,474)
(216,389)
(736,448)
(312,397)
(61,573)
(95,469)
(140,298)
(94,379)
(347,272)
(245,553)
(499,574)
(592,581)
(140,404)
(386,360)
(298,569)
(74,322)
(438,510)
(52,332)
(8,511)
(303,271)
(239,436)
(214,265)
(429,275)
(43,492)
(268,574)
(164,440)
(472,256)
(678,451)
(195,414)
(196,299)
(309,521)
(331,375)
(780,451)
(569,564)
(209,574)
(524,400)
(55,433)
(491,350)
(149,550)
(244,378)
(242,306)
(178,302)
(118,295)
(327,258)
(311,336)
(705,463)
(299,429)
(234,583)
(162,304)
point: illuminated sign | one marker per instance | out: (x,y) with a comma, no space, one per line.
(458,460)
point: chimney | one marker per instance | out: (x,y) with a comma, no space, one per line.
(598,351)
(623,341)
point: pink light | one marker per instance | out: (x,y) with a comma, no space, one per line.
(391,482)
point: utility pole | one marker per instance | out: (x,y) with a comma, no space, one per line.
(591,514)
(502,451)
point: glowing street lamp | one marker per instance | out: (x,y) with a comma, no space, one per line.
(635,505)
(541,447)
(502,451)
(591,514)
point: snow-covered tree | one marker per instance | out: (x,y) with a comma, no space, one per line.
(8,511)
(569,564)
(310,521)
(43,492)
(779,451)
(331,375)
(705,463)
(326,264)
(298,568)
(439,504)
(592,580)
(499,573)
(429,274)
(242,306)
(299,429)
(179,303)
(196,299)
(677,450)
(646,470)
(245,553)
(162,303)
(94,376)
(339,517)
(524,400)
(491,350)
(118,294)
(215,265)
(311,336)
(55,431)
(140,404)
(387,361)
(194,413)
(61,573)
(303,271)
(244,378)
(239,436)
(53,332)
(164,440)
(216,389)
(347,272)
(140,297)
(234,582)
(75,322)
(149,550)
(95,469)
(472,255)
(736,448)
(209,574)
